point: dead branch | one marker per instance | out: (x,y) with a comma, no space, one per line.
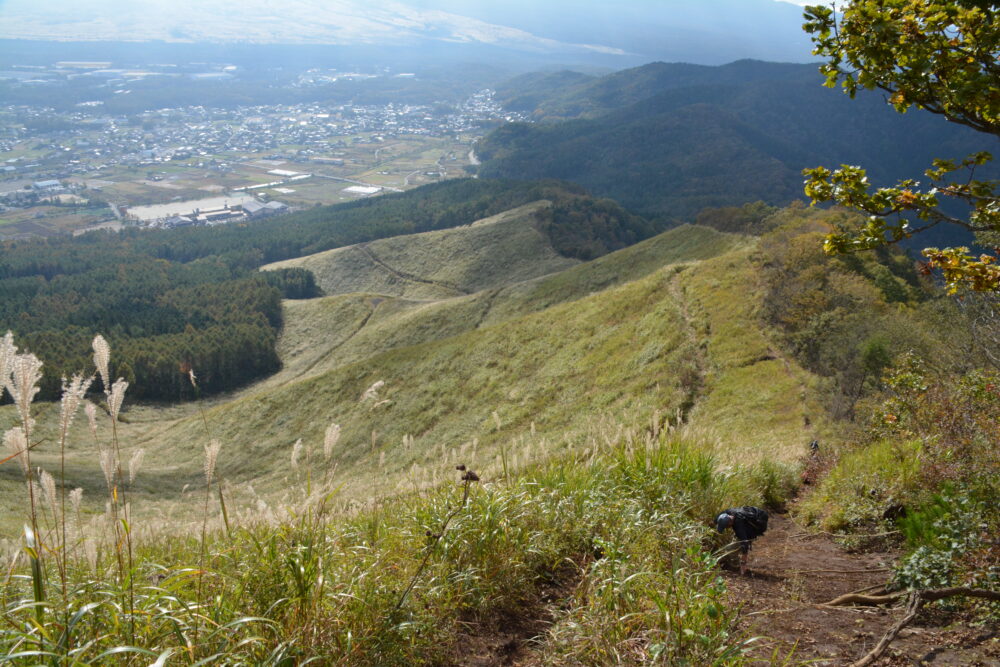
(912,608)
(870,600)
(876,570)
(826,532)
(927,595)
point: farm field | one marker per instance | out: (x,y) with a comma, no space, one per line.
(399,163)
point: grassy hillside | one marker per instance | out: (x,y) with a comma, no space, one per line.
(194,297)
(608,410)
(492,252)
(626,339)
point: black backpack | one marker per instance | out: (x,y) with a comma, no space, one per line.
(754,517)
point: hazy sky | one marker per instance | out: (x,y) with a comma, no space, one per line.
(700,31)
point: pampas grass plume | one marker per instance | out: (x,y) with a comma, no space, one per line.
(108,467)
(7,352)
(296,453)
(212,450)
(134,464)
(17,445)
(76,499)
(48,484)
(371,393)
(26,371)
(117,397)
(91,411)
(102,356)
(72,395)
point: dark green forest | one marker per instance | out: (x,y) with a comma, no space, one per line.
(173,300)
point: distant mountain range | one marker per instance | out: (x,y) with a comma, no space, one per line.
(620,34)
(667,140)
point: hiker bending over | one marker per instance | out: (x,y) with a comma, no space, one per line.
(748,523)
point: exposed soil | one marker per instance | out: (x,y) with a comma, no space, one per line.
(505,640)
(793,572)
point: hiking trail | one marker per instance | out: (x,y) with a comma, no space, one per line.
(793,572)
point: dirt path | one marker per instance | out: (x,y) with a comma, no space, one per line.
(793,572)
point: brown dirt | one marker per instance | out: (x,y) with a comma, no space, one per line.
(505,640)
(793,572)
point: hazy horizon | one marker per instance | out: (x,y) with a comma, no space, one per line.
(588,31)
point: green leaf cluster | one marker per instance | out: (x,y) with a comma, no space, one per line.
(939,56)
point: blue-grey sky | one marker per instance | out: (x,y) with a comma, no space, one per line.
(699,31)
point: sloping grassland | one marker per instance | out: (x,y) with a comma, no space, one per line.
(660,334)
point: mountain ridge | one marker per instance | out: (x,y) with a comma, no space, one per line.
(667,140)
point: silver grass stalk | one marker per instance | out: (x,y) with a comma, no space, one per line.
(35,489)
(26,371)
(7,352)
(108,467)
(91,411)
(116,397)
(371,393)
(193,378)
(90,550)
(72,395)
(211,457)
(134,464)
(76,500)
(296,453)
(102,356)
(330,440)
(17,446)
(48,484)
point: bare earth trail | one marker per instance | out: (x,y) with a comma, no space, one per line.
(794,572)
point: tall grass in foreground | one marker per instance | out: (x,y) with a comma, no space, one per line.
(619,533)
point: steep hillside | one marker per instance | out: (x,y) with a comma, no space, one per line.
(669,140)
(491,252)
(607,410)
(565,95)
(507,376)
(193,296)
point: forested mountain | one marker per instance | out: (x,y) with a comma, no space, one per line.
(172,300)
(568,94)
(667,140)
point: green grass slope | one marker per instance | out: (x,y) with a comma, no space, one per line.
(637,339)
(557,367)
(321,334)
(491,252)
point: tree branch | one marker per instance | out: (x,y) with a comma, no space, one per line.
(912,608)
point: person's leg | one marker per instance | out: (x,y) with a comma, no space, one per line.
(744,557)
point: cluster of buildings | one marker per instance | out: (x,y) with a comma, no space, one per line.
(203,212)
(37,192)
(85,140)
